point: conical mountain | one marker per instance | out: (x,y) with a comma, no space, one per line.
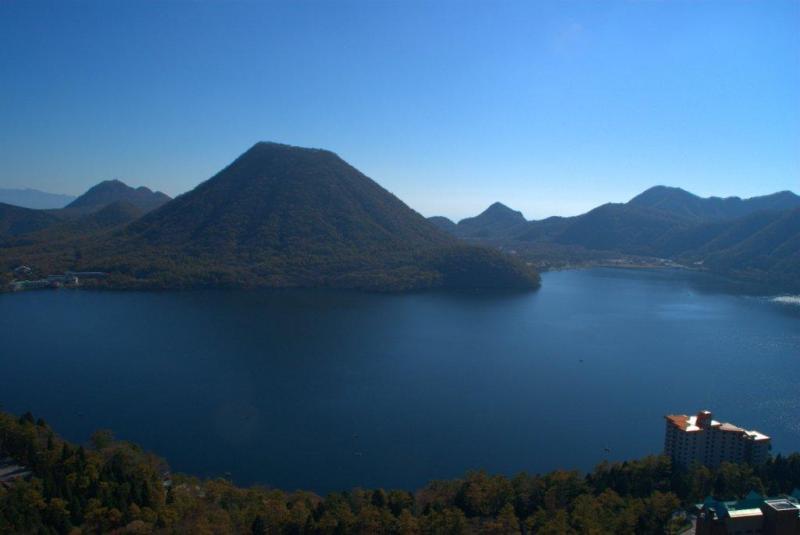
(278,197)
(290,216)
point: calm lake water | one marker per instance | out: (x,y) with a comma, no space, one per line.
(329,390)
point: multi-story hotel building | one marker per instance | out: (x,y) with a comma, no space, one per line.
(703,440)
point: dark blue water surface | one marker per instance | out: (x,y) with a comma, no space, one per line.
(329,390)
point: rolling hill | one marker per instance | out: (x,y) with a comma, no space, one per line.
(57,230)
(15,221)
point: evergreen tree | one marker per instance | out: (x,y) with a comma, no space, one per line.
(259,527)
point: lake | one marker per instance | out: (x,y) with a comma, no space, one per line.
(329,390)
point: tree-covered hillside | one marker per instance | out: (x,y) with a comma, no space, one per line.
(753,240)
(281,216)
(15,221)
(108,486)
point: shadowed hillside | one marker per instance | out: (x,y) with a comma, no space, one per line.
(15,220)
(110,191)
(75,228)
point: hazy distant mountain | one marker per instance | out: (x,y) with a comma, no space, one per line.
(681,203)
(110,191)
(289,216)
(32,198)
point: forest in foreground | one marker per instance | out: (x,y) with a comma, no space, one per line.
(110,486)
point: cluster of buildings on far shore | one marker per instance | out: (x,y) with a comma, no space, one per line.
(701,440)
(69,279)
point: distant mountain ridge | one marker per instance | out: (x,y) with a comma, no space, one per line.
(757,239)
(110,191)
(35,199)
(684,204)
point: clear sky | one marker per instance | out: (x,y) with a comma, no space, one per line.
(549,107)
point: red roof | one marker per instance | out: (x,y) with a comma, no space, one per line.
(678,420)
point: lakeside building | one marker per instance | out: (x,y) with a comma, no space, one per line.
(703,440)
(754,514)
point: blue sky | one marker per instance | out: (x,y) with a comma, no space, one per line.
(549,107)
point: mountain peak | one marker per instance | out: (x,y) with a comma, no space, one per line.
(659,193)
(110,191)
(498,208)
(272,147)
